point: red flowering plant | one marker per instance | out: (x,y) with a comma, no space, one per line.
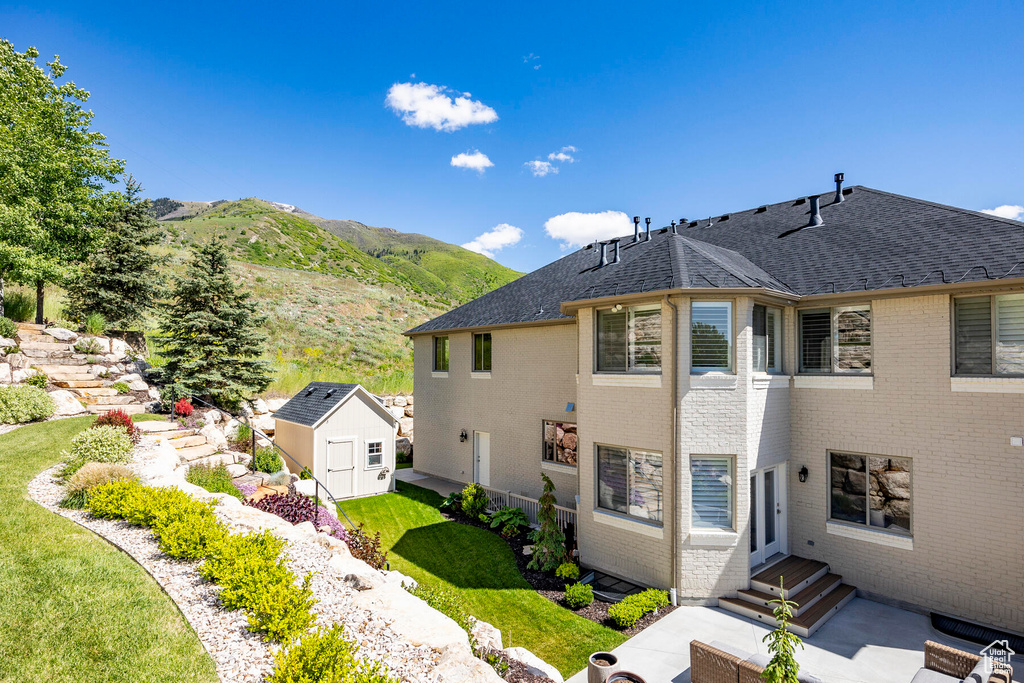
(183,407)
(119,418)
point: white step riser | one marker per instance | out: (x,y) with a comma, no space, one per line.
(800,608)
(790,590)
(770,622)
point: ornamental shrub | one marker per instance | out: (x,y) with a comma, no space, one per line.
(122,420)
(474,501)
(159,507)
(114,499)
(579,595)
(100,444)
(183,407)
(190,536)
(281,610)
(267,459)
(89,345)
(38,380)
(19,307)
(632,608)
(121,387)
(95,323)
(511,521)
(213,478)
(569,571)
(8,328)
(326,655)
(548,540)
(92,474)
(452,503)
(291,507)
(367,548)
(24,404)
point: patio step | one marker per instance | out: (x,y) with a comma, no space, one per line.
(797,572)
(99,408)
(79,383)
(31,327)
(108,400)
(215,459)
(96,392)
(808,622)
(72,376)
(805,599)
(187,441)
(157,427)
(195,452)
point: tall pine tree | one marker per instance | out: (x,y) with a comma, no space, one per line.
(211,335)
(120,280)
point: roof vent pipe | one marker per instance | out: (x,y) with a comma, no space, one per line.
(674,227)
(648,238)
(839,187)
(604,255)
(636,229)
(815,212)
(615,253)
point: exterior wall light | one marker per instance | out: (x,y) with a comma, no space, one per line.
(463,436)
(803,474)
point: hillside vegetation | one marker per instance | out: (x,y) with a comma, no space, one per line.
(338,294)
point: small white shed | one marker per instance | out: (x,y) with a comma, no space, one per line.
(344,435)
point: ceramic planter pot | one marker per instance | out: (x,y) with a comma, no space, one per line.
(600,666)
(624,677)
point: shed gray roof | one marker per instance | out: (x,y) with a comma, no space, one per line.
(309,405)
(872,240)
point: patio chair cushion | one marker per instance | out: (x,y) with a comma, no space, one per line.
(979,674)
(929,676)
(731,649)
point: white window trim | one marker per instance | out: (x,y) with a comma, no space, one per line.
(434,368)
(367,451)
(627,523)
(993,337)
(720,538)
(438,374)
(985,384)
(627,373)
(834,341)
(700,369)
(480,375)
(869,535)
(472,354)
(779,343)
(621,379)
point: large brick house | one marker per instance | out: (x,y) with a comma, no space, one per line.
(828,386)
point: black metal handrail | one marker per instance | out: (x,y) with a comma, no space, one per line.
(252,462)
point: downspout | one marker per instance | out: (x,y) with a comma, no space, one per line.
(675,440)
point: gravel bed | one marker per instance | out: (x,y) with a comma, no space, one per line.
(238,654)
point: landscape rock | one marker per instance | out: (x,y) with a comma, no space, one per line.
(101,345)
(214,436)
(306,487)
(111,358)
(61,334)
(7,343)
(265,423)
(134,377)
(19,376)
(154,393)
(456,666)
(397,412)
(405,426)
(408,411)
(237,470)
(67,403)
(534,664)
(403,446)
(259,406)
(400,402)
(98,370)
(5,373)
(413,619)
(138,385)
(360,583)
(403,581)
(119,348)
(275,404)
(231,429)
(487,636)
(212,417)
(409,399)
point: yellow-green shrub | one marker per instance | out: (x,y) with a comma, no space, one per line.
(114,499)
(190,536)
(24,404)
(632,608)
(99,444)
(326,655)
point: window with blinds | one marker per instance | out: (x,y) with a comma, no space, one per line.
(767,324)
(836,340)
(629,340)
(988,335)
(711,492)
(441,354)
(482,352)
(711,336)
(630,481)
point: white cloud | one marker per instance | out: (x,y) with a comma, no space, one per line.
(576,229)
(423,105)
(478,161)
(530,59)
(564,155)
(1010,211)
(495,239)
(541,168)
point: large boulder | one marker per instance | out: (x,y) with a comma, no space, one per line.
(7,343)
(231,429)
(5,373)
(399,402)
(61,334)
(100,345)
(275,404)
(405,426)
(133,377)
(487,636)
(403,446)
(397,412)
(413,620)
(408,411)
(138,385)
(119,348)
(265,423)
(458,665)
(534,664)
(17,360)
(67,403)
(214,436)
(19,376)
(259,406)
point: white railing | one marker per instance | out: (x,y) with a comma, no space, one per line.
(530,506)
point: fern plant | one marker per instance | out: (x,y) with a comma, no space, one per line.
(783,667)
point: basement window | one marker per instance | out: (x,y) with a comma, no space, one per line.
(629,340)
(836,340)
(870,491)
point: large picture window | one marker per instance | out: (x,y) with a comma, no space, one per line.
(560,443)
(836,340)
(629,481)
(441,354)
(482,352)
(989,335)
(629,340)
(712,493)
(711,336)
(872,491)
(767,339)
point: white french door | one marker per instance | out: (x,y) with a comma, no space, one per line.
(482,458)
(767,513)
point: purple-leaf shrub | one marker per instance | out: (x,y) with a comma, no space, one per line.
(290,507)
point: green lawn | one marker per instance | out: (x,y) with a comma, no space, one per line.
(74,607)
(480,566)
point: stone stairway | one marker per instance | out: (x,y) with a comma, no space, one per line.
(818,593)
(194,449)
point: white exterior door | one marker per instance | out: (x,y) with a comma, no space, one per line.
(482,458)
(341,467)
(767,513)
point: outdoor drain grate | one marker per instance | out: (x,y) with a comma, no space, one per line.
(609,588)
(975,633)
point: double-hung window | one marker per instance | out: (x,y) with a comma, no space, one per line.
(767,339)
(560,442)
(440,354)
(630,481)
(836,340)
(482,352)
(629,340)
(869,490)
(711,336)
(712,493)
(989,335)
(374,453)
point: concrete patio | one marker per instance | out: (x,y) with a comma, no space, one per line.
(442,486)
(866,642)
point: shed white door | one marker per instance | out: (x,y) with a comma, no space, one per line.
(341,467)
(482,458)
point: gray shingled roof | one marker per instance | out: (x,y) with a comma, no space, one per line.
(313,402)
(872,240)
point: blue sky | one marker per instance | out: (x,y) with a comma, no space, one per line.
(670,110)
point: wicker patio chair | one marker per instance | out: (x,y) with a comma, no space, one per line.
(957,663)
(711,665)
